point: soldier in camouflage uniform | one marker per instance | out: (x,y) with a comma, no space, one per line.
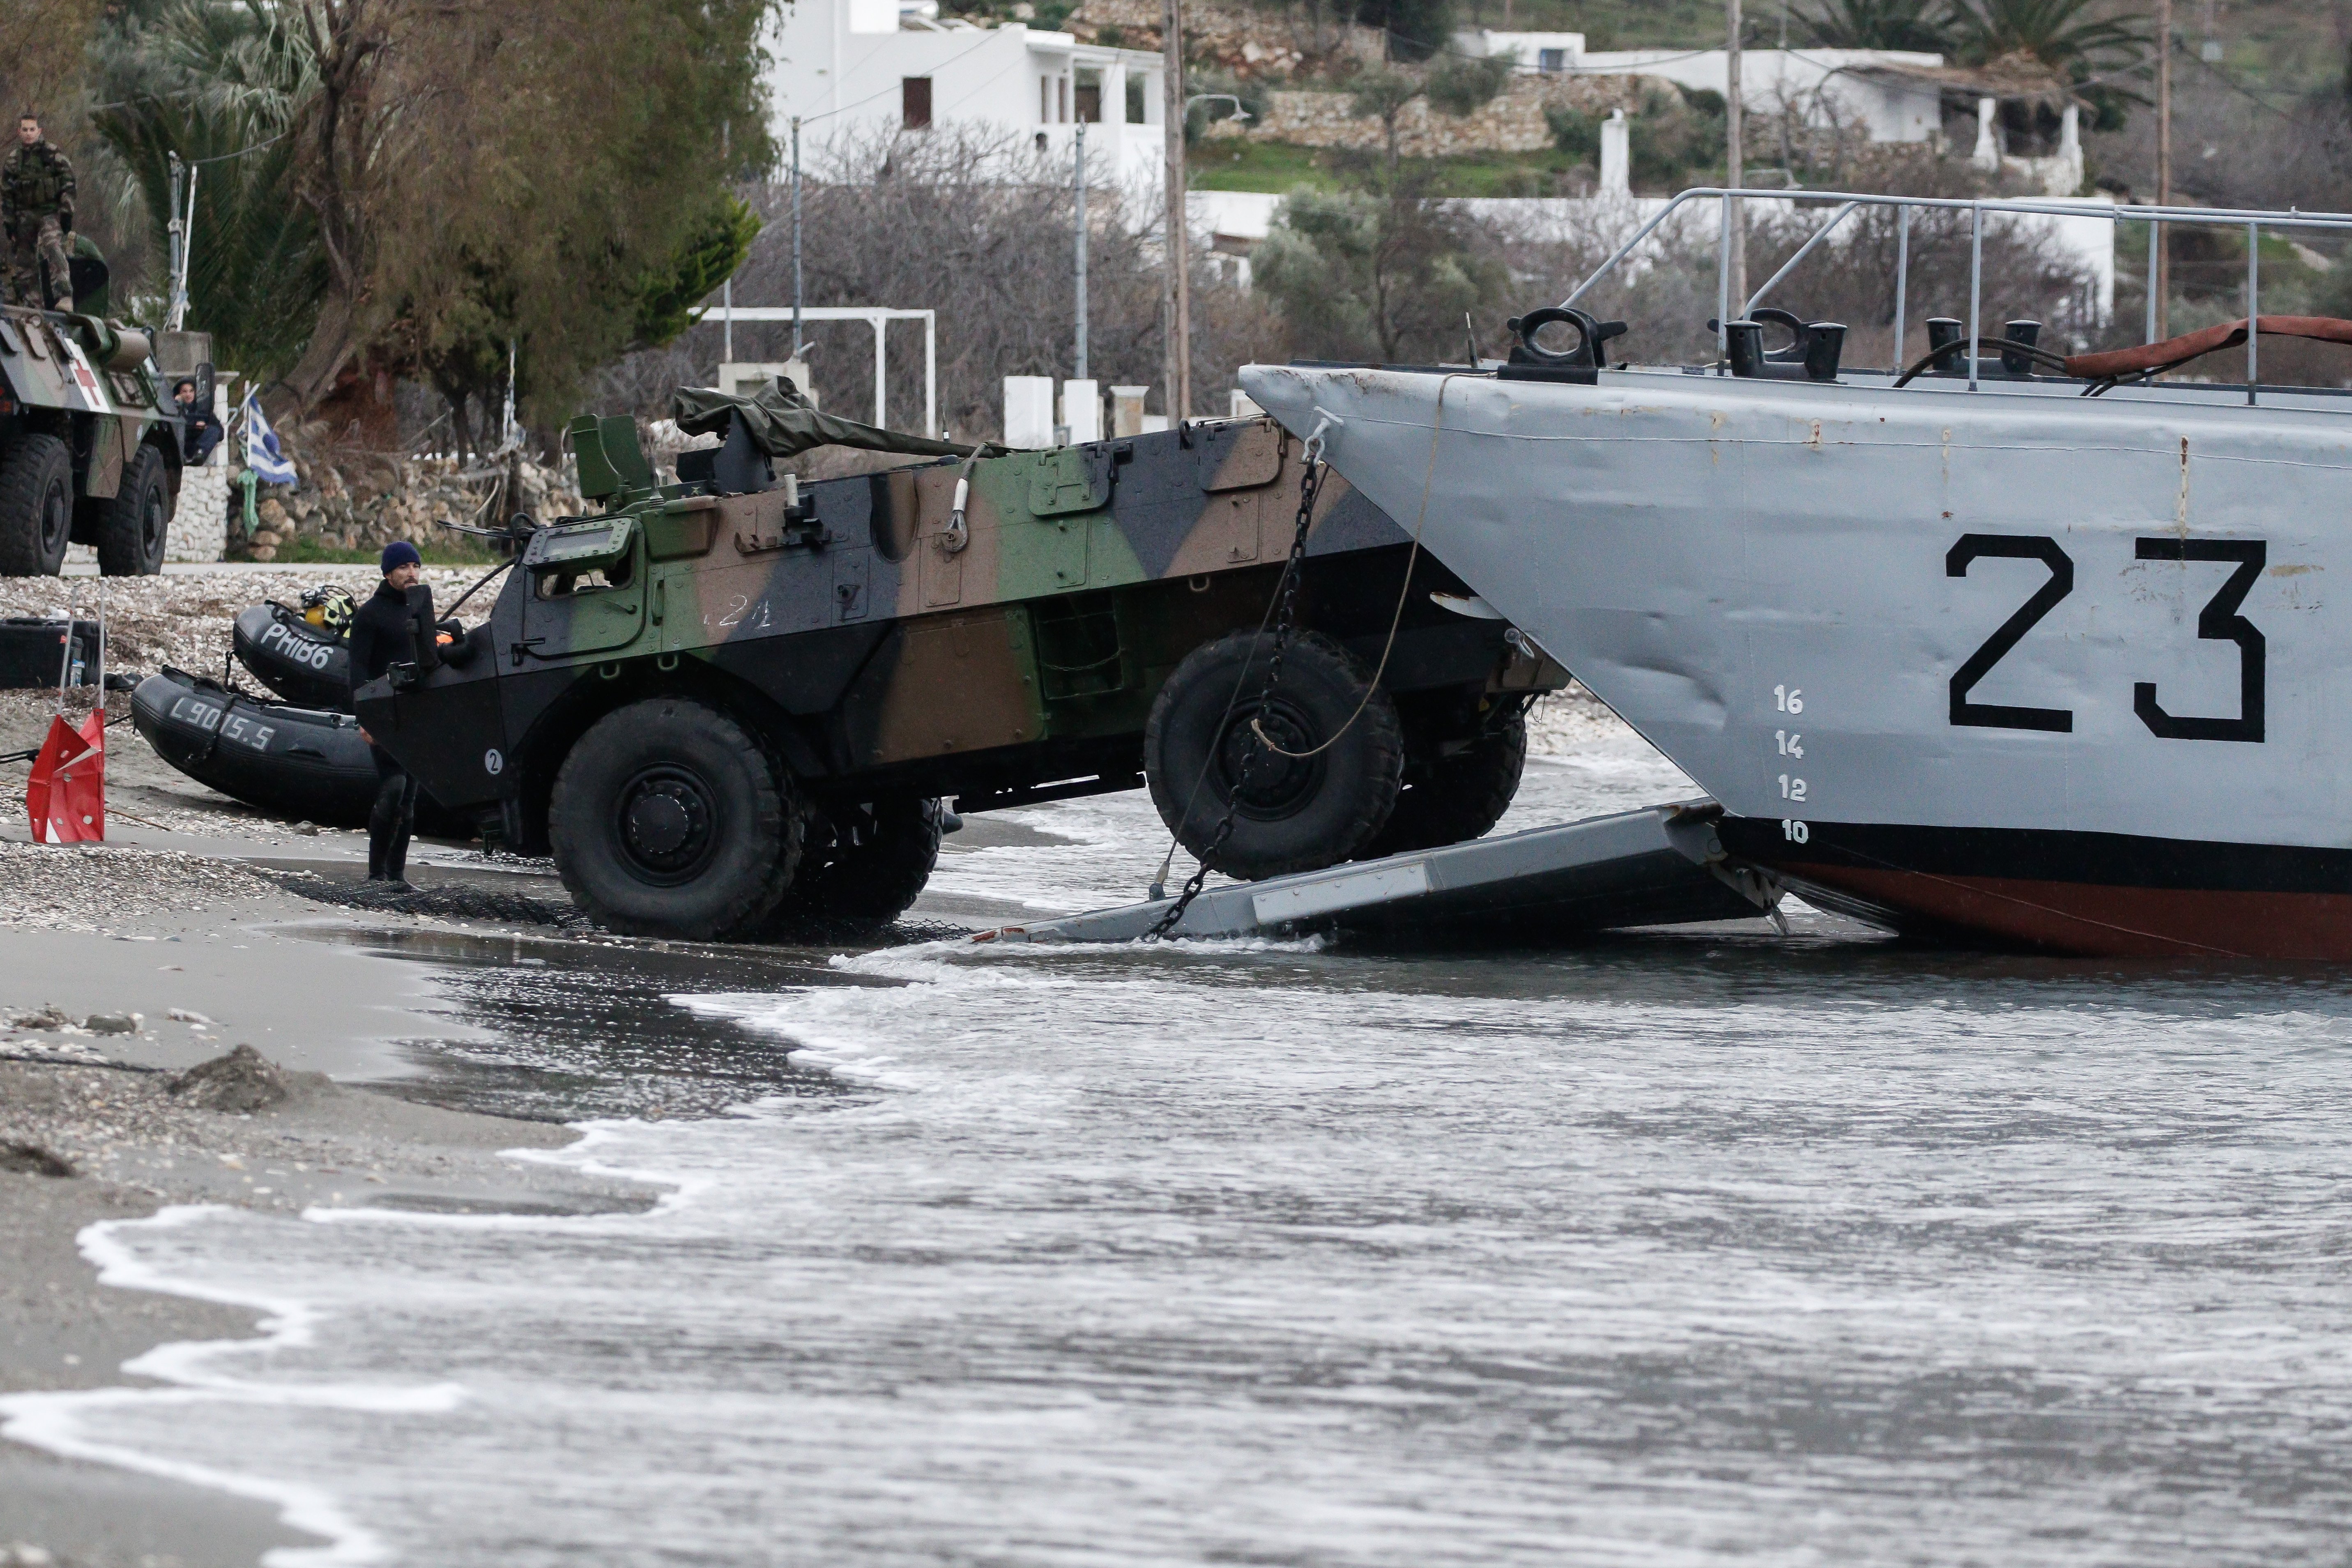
(37,212)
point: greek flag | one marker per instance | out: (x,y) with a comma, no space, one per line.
(262,453)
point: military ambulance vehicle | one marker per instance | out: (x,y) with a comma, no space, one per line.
(89,440)
(734,703)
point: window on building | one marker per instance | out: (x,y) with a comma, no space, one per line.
(1134,101)
(1552,59)
(1089,96)
(1062,99)
(1045,100)
(915,101)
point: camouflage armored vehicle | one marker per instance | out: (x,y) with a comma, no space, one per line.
(731,701)
(90,444)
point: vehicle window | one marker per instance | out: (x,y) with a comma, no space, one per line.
(564,582)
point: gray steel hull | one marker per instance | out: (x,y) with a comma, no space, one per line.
(2058,670)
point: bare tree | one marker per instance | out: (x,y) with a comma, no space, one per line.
(978,228)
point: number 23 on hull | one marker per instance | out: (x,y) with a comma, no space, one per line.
(2015,664)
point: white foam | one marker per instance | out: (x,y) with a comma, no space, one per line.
(54,1420)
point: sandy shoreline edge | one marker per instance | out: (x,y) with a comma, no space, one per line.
(91,1133)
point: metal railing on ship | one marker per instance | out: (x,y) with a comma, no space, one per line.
(2253,221)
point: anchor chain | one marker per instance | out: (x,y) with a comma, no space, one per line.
(1286,621)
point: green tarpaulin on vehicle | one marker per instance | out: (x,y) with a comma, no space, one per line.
(782,421)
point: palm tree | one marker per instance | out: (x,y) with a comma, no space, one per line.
(1922,25)
(220,85)
(2073,38)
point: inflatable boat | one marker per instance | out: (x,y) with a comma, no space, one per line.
(304,763)
(306,665)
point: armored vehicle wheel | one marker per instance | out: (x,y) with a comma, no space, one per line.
(1298,813)
(668,820)
(1453,799)
(133,527)
(35,507)
(864,872)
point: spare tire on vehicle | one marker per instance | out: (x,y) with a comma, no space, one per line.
(309,666)
(1316,806)
(302,763)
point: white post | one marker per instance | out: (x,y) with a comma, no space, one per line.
(2070,153)
(1616,155)
(931,375)
(1079,143)
(1029,411)
(1988,151)
(1082,411)
(881,380)
(1127,410)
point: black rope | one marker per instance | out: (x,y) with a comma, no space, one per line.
(1285,620)
(2040,356)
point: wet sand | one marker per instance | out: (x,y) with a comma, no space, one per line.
(89,1131)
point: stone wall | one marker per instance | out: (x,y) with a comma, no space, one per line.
(364,501)
(1512,122)
(200,520)
(1237,38)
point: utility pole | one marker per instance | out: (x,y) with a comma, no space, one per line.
(182,229)
(179,241)
(1081,180)
(726,284)
(2158,235)
(1176,298)
(1733,159)
(797,344)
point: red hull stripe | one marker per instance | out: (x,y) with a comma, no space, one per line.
(2100,894)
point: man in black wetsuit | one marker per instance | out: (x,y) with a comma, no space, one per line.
(394,627)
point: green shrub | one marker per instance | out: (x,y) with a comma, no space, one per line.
(1576,133)
(1460,85)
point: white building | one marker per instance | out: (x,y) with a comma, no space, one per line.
(862,66)
(1548,53)
(1883,92)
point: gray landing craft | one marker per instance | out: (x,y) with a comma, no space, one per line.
(2019,646)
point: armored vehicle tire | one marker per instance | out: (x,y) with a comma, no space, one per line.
(668,820)
(1453,799)
(133,527)
(35,507)
(1298,814)
(867,874)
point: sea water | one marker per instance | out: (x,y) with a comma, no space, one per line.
(1732,1247)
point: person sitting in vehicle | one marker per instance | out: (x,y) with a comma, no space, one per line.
(204,430)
